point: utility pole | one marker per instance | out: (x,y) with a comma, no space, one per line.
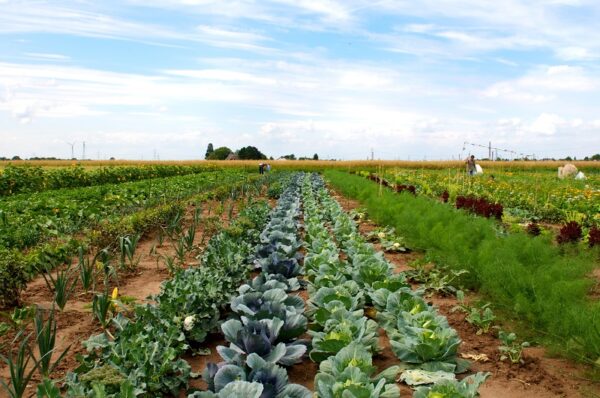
(372,154)
(83,153)
(490,151)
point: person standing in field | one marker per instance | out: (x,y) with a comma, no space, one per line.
(261,168)
(268,167)
(471,168)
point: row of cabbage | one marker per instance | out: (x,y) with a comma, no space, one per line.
(267,320)
(343,338)
(141,356)
(340,290)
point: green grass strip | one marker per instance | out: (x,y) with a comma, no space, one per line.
(543,286)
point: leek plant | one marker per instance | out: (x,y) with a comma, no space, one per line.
(87,272)
(101,306)
(18,365)
(46,339)
(189,236)
(127,246)
(63,284)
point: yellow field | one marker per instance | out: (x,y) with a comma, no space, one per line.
(312,164)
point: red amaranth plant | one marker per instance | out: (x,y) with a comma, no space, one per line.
(402,187)
(480,206)
(445,196)
(594,236)
(533,229)
(569,233)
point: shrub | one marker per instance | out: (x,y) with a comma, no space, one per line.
(12,277)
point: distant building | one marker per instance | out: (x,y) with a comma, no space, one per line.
(232,156)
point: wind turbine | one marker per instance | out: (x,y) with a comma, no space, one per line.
(72,148)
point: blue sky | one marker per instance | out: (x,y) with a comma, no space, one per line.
(408,79)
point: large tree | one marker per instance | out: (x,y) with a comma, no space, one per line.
(250,153)
(220,153)
(209,151)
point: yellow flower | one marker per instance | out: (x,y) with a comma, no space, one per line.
(115,293)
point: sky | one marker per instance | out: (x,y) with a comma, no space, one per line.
(414,79)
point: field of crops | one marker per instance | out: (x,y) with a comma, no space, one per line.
(203,281)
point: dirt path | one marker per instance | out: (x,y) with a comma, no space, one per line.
(540,376)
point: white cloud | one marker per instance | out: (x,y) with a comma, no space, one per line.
(544,84)
(547,124)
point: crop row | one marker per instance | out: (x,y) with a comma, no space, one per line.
(340,290)
(29,179)
(267,323)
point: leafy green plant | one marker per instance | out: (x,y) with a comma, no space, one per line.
(47,389)
(45,332)
(62,284)
(511,349)
(482,318)
(13,276)
(19,317)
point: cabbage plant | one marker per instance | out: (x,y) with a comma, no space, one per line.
(261,337)
(273,378)
(350,373)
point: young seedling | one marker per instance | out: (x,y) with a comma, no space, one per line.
(46,339)
(510,348)
(481,317)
